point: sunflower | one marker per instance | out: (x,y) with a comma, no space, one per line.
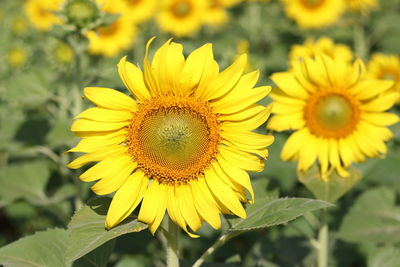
(385,67)
(181,17)
(41,13)
(362,5)
(314,13)
(182,146)
(17,57)
(119,35)
(141,10)
(216,13)
(324,45)
(338,115)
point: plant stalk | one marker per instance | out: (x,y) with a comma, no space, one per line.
(323,240)
(172,246)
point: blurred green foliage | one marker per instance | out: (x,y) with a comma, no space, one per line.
(38,192)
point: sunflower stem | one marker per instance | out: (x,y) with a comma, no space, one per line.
(361,43)
(221,240)
(323,240)
(172,245)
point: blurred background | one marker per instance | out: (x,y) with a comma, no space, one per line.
(51,49)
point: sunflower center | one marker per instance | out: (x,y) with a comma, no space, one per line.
(331,114)
(108,30)
(173,139)
(181,9)
(312,3)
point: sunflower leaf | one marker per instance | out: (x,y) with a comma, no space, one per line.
(330,190)
(268,212)
(373,218)
(385,256)
(87,231)
(41,249)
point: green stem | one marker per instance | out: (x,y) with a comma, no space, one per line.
(323,238)
(361,43)
(172,246)
(221,240)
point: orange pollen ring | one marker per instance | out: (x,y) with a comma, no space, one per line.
(150,138)
(332,114)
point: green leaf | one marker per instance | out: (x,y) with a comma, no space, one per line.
(24,180)
(98,257)
(330,190)
(386,256)
(87,230)
(43,249)
(266,212)
(373,218)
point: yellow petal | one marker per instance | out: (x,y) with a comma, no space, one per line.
(93,144)
(241,159)
(133,80)
(382,103)
(224,193)
(112,183)
(106,168)
(293,144)
(161,207)
(244,114)
(97,155)
(126,199)
(345,152)
(109,98)
(205,206)
(150,79)
(381,118)
(371,88)
(105,115)
(252,140)
(282,122)
(248,124)
(84,125)
(308,152)
(227,79)
(187,208)
(194,67)
(288,84)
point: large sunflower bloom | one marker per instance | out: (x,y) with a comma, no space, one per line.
(314,13)
(385,67)
(181,17)
(338,115)
(182,146)
(324,45)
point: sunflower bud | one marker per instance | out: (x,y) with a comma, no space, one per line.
(81,12)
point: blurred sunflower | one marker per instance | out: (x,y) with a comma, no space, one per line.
(216,13)
(119,35)
(19,26)
(339,116)
(362,5)
(183,146)
(41,13)
(17,57)
(314,13)
(385,67)
(324,45)
(181,17)
(60,53)
(141,10)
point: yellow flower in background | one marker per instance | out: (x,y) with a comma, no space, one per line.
(19,26)
(141,10)
(362,5)
(41,13)
(324,45)
(112,39)
(314,13)
(216,13)
(118,36)
(183,145)
(62,53)
(17,57)
(338,115)
(181,17)
(385,67)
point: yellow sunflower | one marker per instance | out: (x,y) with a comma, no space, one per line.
(216,13)
(111,39)
(183,145)
(17,57)
(385,67)
(324,45)
(362,5)
(141,10)
(314,13)
(181,17)
(41,13)
(338,115)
